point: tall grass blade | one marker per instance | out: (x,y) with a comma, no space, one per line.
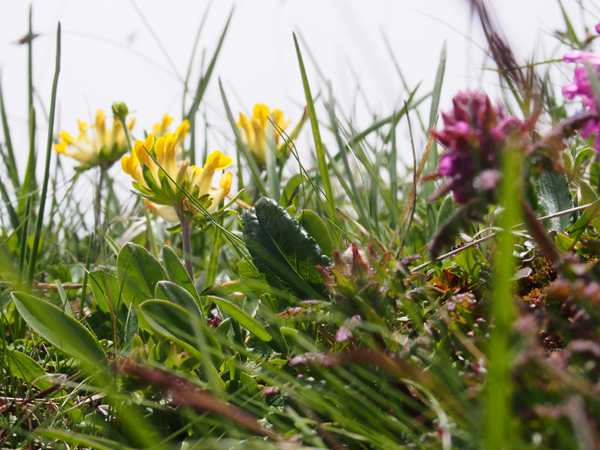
(242,146)
(12,214)
(435,104)
(355,198)
(201,89)
(321,161)
(40,217)
(393,168)
(10,162)
(189,70)
(498,417)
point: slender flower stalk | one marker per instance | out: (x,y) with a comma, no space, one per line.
(158,176)
(187,244)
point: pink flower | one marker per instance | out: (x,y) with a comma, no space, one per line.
(473,135)
(582,87)
(598,28)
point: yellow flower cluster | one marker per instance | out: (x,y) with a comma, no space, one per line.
(254,131)
(104,149)
(159,190)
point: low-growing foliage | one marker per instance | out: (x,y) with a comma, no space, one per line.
(335,306)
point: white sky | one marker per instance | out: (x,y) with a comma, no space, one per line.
(107,48)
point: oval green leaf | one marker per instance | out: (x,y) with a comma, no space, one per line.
(245,319)
(58,328)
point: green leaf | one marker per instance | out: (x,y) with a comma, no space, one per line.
(245,319)
(105,288)
(283,251)
(82,439)
(445,211)
(588,195)
(289,193)
(317,229)
(320,149)
(138,273)
(554,196)
(165,290)
(25,368)
(590,214)
(177,273)
(177,324)
(131,328)
(58,328)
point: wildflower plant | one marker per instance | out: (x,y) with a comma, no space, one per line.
(96,145)
(165,182)
(311,322)
(255,132)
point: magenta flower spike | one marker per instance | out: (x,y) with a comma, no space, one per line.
(473,135)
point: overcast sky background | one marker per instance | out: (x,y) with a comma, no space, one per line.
(109,54)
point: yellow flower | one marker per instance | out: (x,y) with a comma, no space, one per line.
(254,131)
(160,193)
(103,149)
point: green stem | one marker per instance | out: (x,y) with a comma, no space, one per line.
(99,197)
(40,217)
(187,245)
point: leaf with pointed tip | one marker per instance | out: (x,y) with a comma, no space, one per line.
(554,195)
(166,290)
(283,251)
(58,328)
(138,273)
(245,319)
(177,273)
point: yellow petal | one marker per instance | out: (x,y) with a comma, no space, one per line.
(166,212)
(61,147)
(131,124)
(217,161)
(225,182)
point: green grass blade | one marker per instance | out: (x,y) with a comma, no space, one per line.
(29,182)
(40,217)
(571,35)
(321,161)
(12,214)
(10,162)
(435,104)
(271,158)
(356,198)
(189,70)
(393,168)
(242,146)
(201,89)
(499,418)
(24,236)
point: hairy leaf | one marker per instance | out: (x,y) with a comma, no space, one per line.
(554,195)
(283,251)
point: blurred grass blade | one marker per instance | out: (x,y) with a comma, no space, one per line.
(12,214)
(355,198)
(393,168)
(408,204)
(498,417)
(242,146)
(571,35)
(10,162)
(271,159)
(435,104)
(40,217)
(201,89)
(189,70)
(321,161)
